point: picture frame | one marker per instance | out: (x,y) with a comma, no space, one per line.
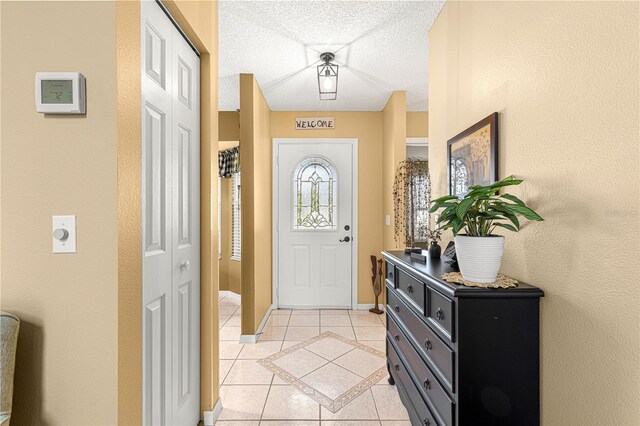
(472,156)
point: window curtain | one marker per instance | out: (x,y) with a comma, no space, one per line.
(229,162)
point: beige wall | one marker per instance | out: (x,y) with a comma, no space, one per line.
(564,78)
(367,128)
(394,150)
(81,312)
(418,124)
(67,352)
(255,157)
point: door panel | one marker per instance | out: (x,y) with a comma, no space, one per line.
(185,310)
(156,179)
(156,383)
(184,185)
(314,199)
(170,204)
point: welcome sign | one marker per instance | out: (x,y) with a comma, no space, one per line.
(315,123)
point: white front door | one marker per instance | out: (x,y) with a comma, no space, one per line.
(314,184)
(170,223)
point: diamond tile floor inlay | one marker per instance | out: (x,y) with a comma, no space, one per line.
(329,368)
(252,395)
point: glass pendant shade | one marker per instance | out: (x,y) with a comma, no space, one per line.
(328,79)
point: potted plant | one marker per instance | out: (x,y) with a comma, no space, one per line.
(478,214)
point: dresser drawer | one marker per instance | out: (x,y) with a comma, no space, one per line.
(390,273)
(401,376)
(412,289)
(430,346)
(440,313)
(428,384)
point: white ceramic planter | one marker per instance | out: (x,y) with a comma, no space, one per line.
(479,258)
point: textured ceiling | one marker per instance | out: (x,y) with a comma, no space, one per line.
(380,46)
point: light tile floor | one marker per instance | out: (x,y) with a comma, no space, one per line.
(252,395)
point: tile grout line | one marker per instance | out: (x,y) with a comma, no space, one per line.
(375,405)
(265,400)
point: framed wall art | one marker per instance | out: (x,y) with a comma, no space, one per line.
(473,156)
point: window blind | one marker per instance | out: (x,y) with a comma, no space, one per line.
(237,227)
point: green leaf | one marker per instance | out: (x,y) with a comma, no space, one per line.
(461,209)
(445,198)
(513,198)
(508,181)
(506,226)
(440,206)
(514,219)
(526,212)
(457,226)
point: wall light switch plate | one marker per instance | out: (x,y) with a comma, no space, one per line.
(63,234)
(387,219)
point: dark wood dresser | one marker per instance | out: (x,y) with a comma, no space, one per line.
(461,355)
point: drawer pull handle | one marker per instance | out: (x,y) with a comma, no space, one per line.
(439,314)
(410,289)
(426,385)
(428,344)
(397,338)
(397,367)
(397,308)
(426,422)
(390,274)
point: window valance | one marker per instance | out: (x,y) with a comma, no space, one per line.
(229,162)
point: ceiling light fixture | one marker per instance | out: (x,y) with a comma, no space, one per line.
(328,78)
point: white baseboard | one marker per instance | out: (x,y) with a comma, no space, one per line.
(250,338)
(264,319)
(230,295)
(365,305)
(209,417)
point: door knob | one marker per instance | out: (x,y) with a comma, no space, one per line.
(185,265)
(345,240)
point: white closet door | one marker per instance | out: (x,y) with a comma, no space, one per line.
(186,234)
(170,221)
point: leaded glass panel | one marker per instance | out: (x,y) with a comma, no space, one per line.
(314,195)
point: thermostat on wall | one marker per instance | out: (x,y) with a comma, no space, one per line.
(60,93)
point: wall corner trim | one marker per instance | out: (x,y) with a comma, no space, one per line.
(209,417)
(231,295)
(251,338)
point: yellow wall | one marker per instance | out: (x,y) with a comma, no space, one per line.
(417,124)
(229,268)
(229,126)
(394,137)
(255,158)
(367,128)
(67,351)
(564,78)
